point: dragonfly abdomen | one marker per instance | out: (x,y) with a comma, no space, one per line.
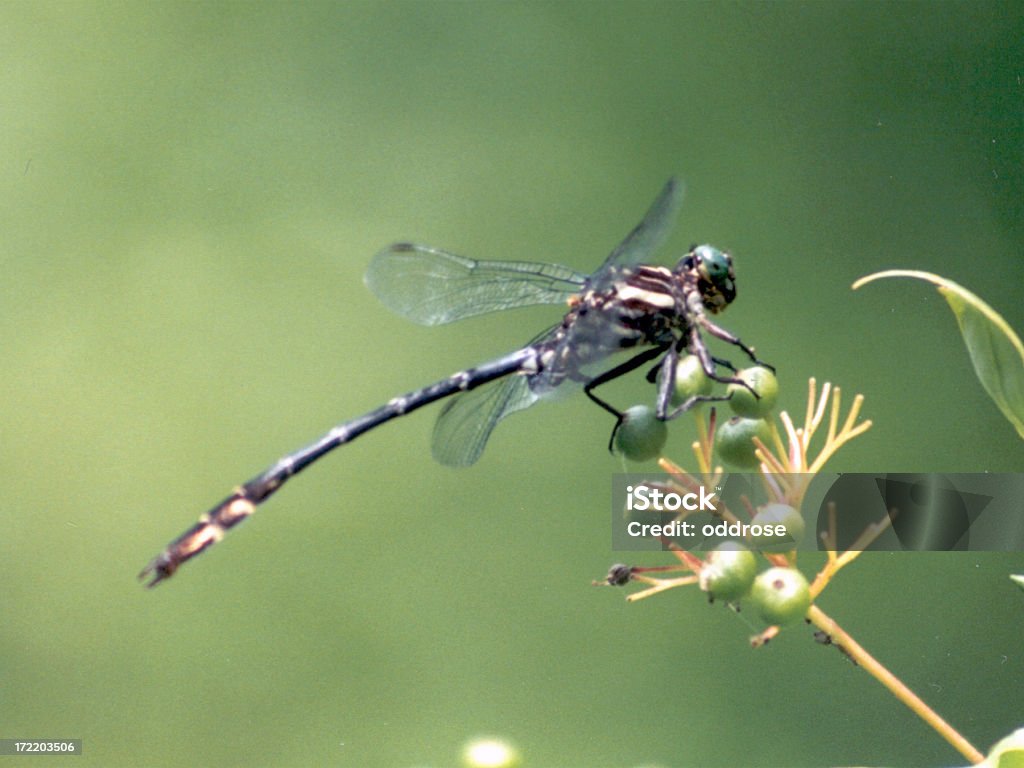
(212,526)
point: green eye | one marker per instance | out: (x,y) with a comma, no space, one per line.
(714,262)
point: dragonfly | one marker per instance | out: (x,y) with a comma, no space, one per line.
(626,305)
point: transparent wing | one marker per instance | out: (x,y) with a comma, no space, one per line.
(650,233)
(431,287)
(467,420)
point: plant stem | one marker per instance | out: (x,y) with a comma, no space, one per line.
(868,662)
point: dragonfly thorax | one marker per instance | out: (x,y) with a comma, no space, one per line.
(633,307)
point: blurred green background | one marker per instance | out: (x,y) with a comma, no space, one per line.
(190,196)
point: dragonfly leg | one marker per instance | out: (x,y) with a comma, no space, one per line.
(720,333)
(667,386)
(620,370)
(707,362)
(724,363)
(652,375)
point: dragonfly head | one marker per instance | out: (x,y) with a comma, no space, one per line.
(716,279)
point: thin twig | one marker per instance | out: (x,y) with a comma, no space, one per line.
(870,664)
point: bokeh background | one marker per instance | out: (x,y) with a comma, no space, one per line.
(189,196)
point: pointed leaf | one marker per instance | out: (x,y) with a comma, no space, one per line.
(996,351)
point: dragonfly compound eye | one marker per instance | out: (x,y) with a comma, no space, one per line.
(714,265)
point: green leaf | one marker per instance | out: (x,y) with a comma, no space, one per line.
(1008,752)
(996,351)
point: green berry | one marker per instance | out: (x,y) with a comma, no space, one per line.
(690,380)
(728,571)
(734,440)
(641,434)
(776,516)
(781,595)
(744,403)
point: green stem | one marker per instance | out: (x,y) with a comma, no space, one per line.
(868,662)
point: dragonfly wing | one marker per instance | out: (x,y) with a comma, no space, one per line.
(430,286)
(467,420)
(650,233)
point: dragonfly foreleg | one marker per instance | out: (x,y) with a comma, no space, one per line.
(730,338)
(707,362)
(724,363)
